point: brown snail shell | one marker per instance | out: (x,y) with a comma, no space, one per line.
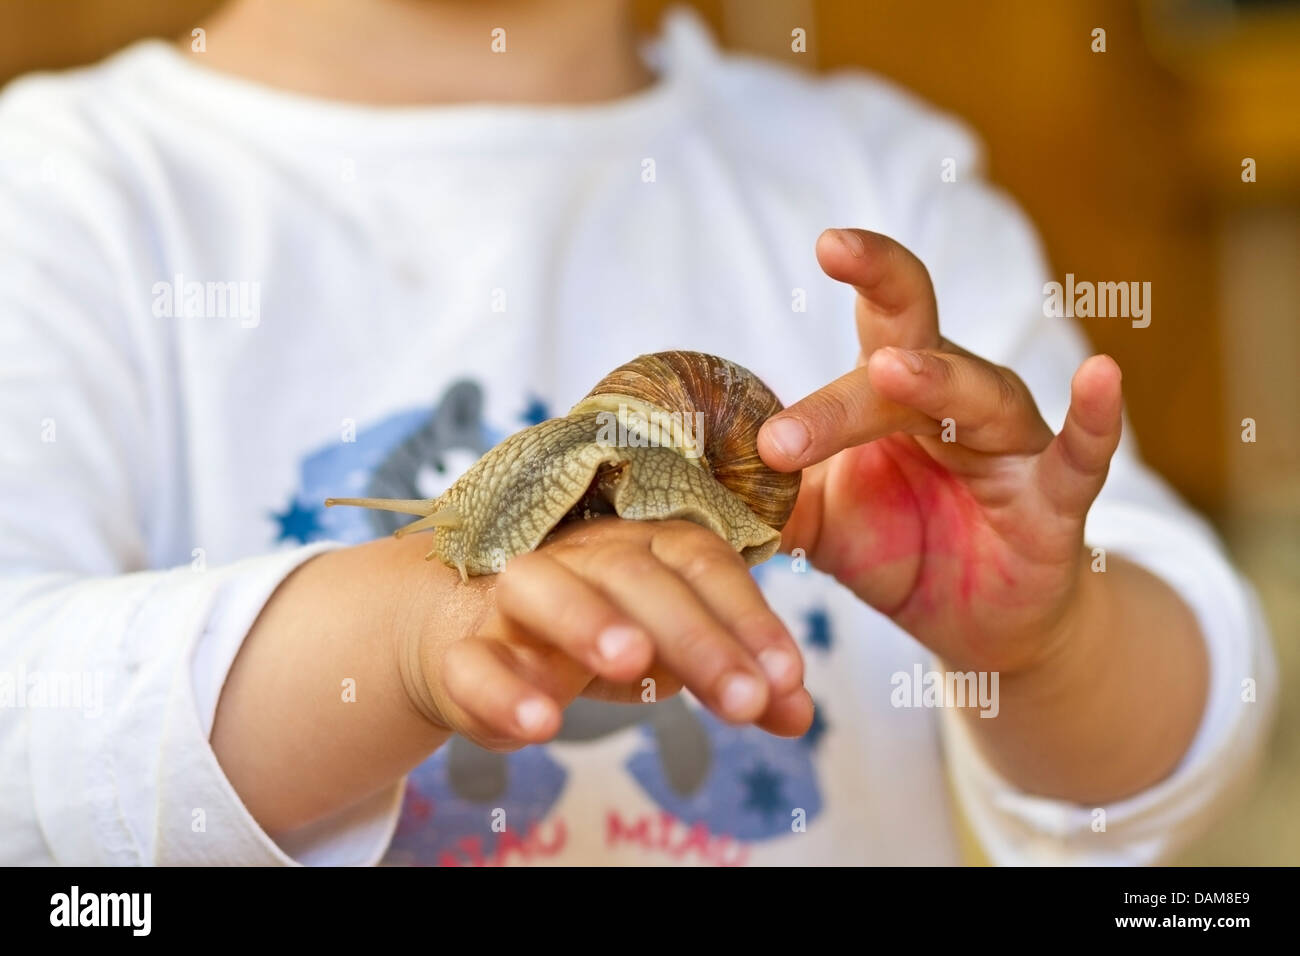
(667,435)
(734,403)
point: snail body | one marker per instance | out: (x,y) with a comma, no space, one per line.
(667,435)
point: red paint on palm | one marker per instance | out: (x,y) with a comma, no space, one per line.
(911,537)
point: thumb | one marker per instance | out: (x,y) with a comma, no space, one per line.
(1072,469)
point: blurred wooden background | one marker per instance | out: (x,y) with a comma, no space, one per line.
(1129,162)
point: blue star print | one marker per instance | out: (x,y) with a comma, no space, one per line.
(298,523)
(819,629)
(535,412)
(816,729)
(764,791)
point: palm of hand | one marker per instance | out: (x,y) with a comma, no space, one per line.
(956,547)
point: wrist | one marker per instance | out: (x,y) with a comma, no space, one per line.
(317,668)
(1071,644)
(431,609)
(1114,700)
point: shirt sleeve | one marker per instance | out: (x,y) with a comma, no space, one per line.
(989,273)
(110,669)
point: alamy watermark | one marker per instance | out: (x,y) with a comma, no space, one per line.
(130,910)
(922,688)
(182,299)
(61,690)
(1126,300)
(633,428)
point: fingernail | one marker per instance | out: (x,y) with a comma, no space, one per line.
(909,358)
(852,241)
(789,436)
(533,714)
(740,694)
(616,641)
(776,664)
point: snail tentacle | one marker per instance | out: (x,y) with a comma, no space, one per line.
(433,516)
(406,506)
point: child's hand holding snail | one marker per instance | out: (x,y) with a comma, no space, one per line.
(597,606)
(621,610)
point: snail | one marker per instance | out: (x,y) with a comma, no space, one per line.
(667,435)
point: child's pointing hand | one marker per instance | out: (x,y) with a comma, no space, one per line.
(934,489)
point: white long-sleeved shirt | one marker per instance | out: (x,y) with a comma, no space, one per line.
(221,303)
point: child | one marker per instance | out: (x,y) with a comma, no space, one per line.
(342,249)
